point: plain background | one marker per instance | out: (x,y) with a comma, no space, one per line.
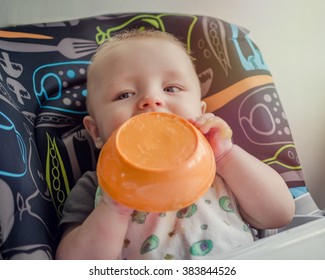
(290,34)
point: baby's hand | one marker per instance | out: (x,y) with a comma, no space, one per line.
(217,132)
(116,206)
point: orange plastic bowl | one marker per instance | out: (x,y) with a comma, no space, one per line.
(156,162)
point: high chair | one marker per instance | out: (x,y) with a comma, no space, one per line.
(45,148)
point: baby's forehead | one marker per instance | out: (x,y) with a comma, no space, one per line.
(115,48)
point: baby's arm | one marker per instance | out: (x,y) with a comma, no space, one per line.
(263,197)
(100,236)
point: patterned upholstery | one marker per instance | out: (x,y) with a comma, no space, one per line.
(44,147)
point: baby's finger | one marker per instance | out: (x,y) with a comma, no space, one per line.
(211,123)
(214,124)
(201,121)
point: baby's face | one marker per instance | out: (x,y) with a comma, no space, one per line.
(138,76)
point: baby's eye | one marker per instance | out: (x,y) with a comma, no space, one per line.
(124,95)
(172,89)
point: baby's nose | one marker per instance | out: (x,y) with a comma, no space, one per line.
(150,102)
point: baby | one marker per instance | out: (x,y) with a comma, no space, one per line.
(144,71)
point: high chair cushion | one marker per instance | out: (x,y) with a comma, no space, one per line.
(44,147)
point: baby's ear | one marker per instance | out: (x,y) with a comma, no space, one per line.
(91,127)
(203,107)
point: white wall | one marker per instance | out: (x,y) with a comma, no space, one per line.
(290,34)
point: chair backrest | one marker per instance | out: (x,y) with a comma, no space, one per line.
(44,147)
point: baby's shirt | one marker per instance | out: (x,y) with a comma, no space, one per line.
(202,230)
